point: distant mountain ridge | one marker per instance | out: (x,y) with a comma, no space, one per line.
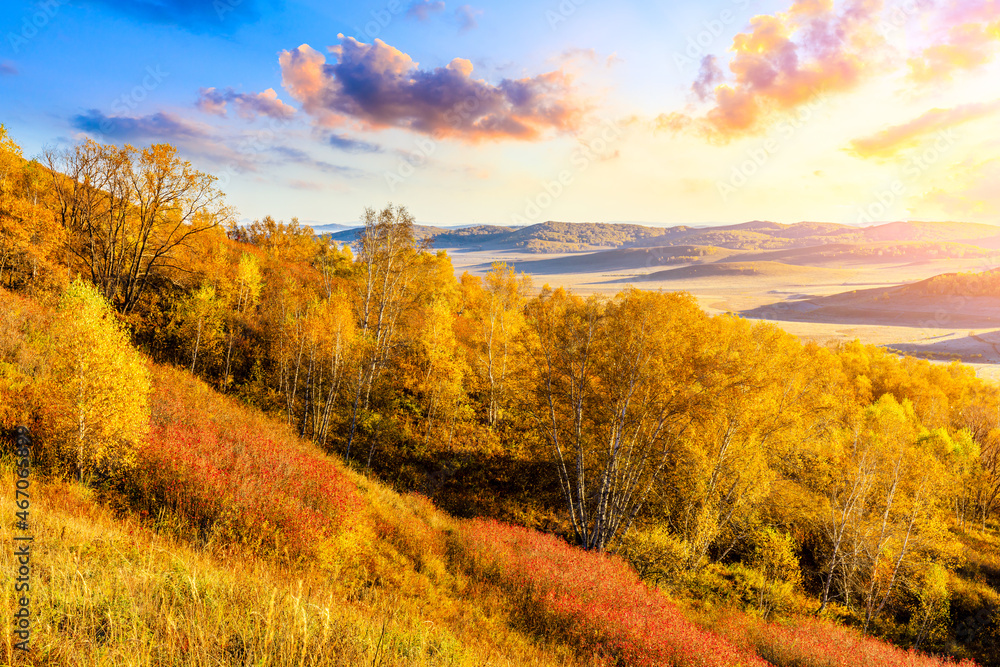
(754,236)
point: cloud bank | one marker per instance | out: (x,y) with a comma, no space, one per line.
(160,125)
(971,35)
(379,86)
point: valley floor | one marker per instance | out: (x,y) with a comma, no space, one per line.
(966,330)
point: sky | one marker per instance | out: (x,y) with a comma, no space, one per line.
(518,112)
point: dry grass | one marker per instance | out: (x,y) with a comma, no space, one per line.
(108,591)
(116,582)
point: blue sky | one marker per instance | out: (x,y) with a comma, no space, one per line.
(511,113)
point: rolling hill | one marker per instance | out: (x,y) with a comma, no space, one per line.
(944,301)
(623,259)
(756,269)
(842,253)
(817,241)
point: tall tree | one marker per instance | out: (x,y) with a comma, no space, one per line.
(616,390)
(753,398)
(441,371)
(128,210)
(495,305)
(99,385)
(386,256)
(200,320)
(242,299)
(29,235)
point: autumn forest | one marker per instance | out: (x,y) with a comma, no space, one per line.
(549,478)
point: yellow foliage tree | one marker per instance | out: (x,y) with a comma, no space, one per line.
(200,322)
(129,212)
(242,297)
(440,370)
(497,311)
(775,557)
(616,391)
(30,239)
(99,385)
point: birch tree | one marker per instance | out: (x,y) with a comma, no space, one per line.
(99,385)
(615,392)
(496,307)
(386,257)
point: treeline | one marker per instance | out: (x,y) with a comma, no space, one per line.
(635,423)
(961,285)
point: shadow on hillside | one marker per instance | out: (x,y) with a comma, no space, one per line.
(974,348)
(833,310)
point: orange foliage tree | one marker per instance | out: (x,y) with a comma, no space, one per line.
(128,210)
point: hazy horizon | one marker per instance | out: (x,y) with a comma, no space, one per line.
(517,113)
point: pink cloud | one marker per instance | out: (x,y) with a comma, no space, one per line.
(890,141)
(248,105)
(968,39)
(380,87)
(783,61)
(422,9)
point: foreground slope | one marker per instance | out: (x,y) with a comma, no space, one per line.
(236,543)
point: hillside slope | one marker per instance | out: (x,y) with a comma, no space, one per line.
(245,561)
(236,543)
(943,301)
(758,269)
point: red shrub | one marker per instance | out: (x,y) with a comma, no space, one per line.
(595,601)
(238,480)
(818,643)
